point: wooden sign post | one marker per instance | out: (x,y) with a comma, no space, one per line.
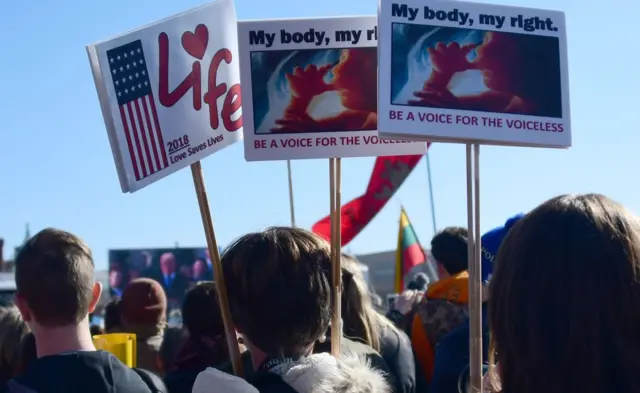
(475,263)
(221,288)
(335,188)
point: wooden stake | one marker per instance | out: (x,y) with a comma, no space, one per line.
(335,179)
(474,261)
(221,288)
(292,209)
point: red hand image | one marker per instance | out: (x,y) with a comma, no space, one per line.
(451,58)
(310,81)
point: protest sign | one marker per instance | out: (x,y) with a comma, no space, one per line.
(461,72)
(170,92)
(312,90)
(188,62)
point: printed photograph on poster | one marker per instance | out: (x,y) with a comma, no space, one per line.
(316,90)
(170,92)
(310,88)
(473,72)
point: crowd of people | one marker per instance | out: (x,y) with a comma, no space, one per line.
(559,307)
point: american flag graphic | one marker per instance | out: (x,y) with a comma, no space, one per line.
(137,109)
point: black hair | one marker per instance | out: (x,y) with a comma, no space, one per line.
(449,248)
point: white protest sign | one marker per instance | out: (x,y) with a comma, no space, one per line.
(311,90)
(170,92)
(471,72)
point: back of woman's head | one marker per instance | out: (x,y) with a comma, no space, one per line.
(201,313)
(360,319)
(358,316)
(13,330)
(278,287)
(565,297)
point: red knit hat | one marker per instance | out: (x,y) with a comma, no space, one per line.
(143,302)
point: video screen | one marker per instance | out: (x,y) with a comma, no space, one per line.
(176,269)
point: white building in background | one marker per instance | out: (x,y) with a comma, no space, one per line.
(7,288)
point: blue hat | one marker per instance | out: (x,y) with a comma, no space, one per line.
(491,243)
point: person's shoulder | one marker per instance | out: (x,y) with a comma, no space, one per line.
(14,386)
(180,381)
(356,347)
(350,347)
(440,309)
(222,381)
(152,380)
(394,339)
(122,374)
(247,365)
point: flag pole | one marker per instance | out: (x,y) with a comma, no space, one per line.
(291,206)
(433,274)
(433,205)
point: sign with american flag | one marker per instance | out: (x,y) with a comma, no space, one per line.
(170,92)
(137,109)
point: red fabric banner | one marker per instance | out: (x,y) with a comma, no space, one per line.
(388,175)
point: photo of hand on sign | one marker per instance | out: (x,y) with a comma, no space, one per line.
(307,91)
(453,68)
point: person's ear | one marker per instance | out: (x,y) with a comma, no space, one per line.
(95,296)
(23,307)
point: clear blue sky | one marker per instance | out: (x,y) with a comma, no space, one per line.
(57,170)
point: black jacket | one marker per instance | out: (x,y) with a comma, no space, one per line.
(78,372)
(396,350)
(182,381)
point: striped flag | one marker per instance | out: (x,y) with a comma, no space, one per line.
(409,253)
(137,109)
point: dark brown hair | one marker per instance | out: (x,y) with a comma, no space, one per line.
(564,299)
(279,291)
(172,342)
(55,277)
(201,313)
(449,248)
(13,331)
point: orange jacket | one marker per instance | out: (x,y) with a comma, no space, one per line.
(451,293)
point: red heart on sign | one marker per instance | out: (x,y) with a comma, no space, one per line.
(196,43)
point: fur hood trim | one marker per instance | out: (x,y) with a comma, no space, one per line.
(322,373)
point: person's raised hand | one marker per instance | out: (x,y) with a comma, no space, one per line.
(309,82)
(405,301)
(451,58)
